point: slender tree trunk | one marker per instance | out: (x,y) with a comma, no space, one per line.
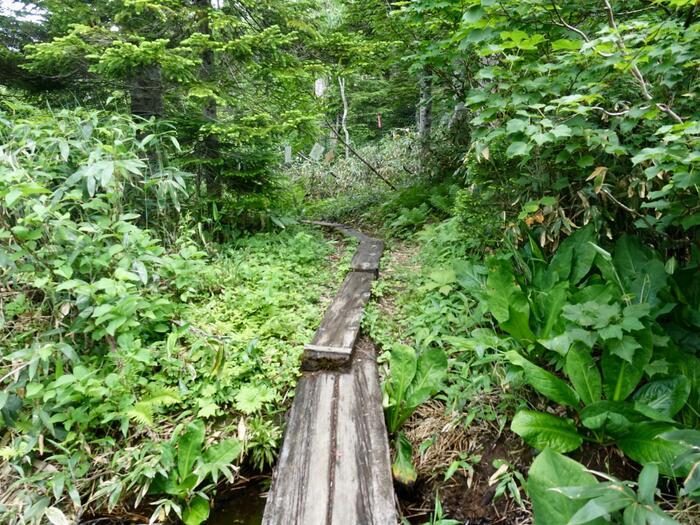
(344,117)
(209,109)
(425,114)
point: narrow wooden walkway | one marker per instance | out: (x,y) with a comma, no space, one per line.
(334,467)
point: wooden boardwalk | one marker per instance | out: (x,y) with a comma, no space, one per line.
(334,467)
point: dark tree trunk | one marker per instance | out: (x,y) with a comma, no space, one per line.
(146,90)
(209,109)
(425,114)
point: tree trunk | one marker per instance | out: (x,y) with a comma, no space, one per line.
(425,114)
(146,90)
(332,138)
(209,109)
(344,117)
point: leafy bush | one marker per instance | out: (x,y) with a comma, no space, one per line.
(575,102)
(414,378)
(610,323)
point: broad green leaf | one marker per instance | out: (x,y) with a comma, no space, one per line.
(620,377)
(402,469)
(470,276)
(542,431)
(217,457)
(624,348)
(543,381)
(473,14)
(500,286)
(591,314)
(196,511)
(566,45)
(189,447)
(601,508)
(518,149)
(551,470)
(614,418)
(584,375)
(251,398)
(644,445)
(430,373)
(641,271)
(687,436)
(648,478)
(403,363)
(516,125)
(550,306)
(561,131)
(559,344)
(666,396)
(639,514)
(518,322)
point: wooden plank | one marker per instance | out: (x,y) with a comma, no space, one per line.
(332,345)
(302,477)
(363,490)
(334,468)
(366,258)
(345,230)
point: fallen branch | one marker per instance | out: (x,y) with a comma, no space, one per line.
(352,150)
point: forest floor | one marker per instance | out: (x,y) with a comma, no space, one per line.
(470,466)
(439,436)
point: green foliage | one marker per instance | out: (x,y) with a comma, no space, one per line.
(415,376)
(230,79)
(564,133)
(124,357)
(187,464)
(617,502)
(402,468)
(346,187)
(507,481)
(691,440)
(562,491)
(573,102)
(549,471)
(605,332)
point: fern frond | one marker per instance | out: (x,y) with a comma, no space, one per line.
(142,413)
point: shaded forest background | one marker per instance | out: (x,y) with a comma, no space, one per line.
(156,157)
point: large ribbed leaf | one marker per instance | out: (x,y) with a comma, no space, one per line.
(552,470)
(543,381)
(542,431)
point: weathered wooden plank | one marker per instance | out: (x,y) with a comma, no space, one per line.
(334,468)
(362,484)
(366,258)
(301,482)
(332,345)
(345,230)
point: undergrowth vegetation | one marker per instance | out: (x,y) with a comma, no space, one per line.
(532,165)
(133,368)
(602,333)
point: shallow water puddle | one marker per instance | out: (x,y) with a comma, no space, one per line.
(244,506)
